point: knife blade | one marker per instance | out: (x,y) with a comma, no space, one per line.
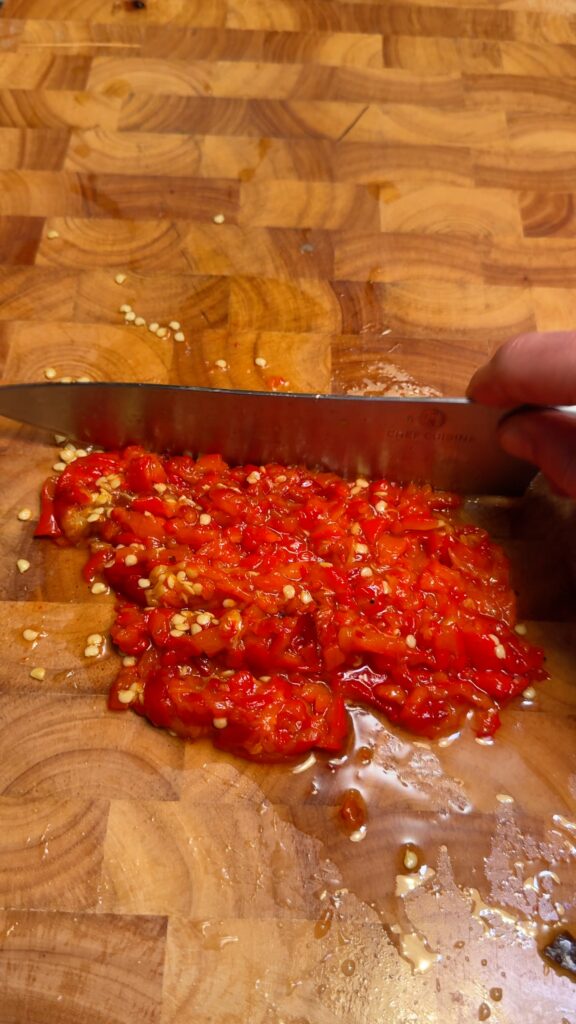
(450,443)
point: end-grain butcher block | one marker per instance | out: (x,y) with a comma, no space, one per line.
(307,196)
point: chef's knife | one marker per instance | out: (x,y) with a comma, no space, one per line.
(450,443)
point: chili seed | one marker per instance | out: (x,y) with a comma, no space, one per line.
(410,860)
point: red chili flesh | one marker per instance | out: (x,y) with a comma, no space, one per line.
(255,601)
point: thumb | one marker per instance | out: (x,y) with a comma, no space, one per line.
(548,439)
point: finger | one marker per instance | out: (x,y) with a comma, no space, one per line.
(548,439)
(537,369)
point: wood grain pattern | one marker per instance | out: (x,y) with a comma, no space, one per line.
(369,197)
(54,962)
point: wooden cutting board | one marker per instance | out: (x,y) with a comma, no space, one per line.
(368,197)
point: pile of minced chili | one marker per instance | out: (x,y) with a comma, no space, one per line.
(254,601)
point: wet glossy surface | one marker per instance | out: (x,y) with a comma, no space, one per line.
(347,197)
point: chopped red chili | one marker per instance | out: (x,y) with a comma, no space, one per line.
(255,600)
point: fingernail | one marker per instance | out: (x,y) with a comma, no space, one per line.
(476,382)
(517,441)
(484,388)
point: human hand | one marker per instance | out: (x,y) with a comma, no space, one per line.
(538,369)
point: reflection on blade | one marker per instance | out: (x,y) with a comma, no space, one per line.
(449,443)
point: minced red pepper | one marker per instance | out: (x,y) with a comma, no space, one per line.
(255,600)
